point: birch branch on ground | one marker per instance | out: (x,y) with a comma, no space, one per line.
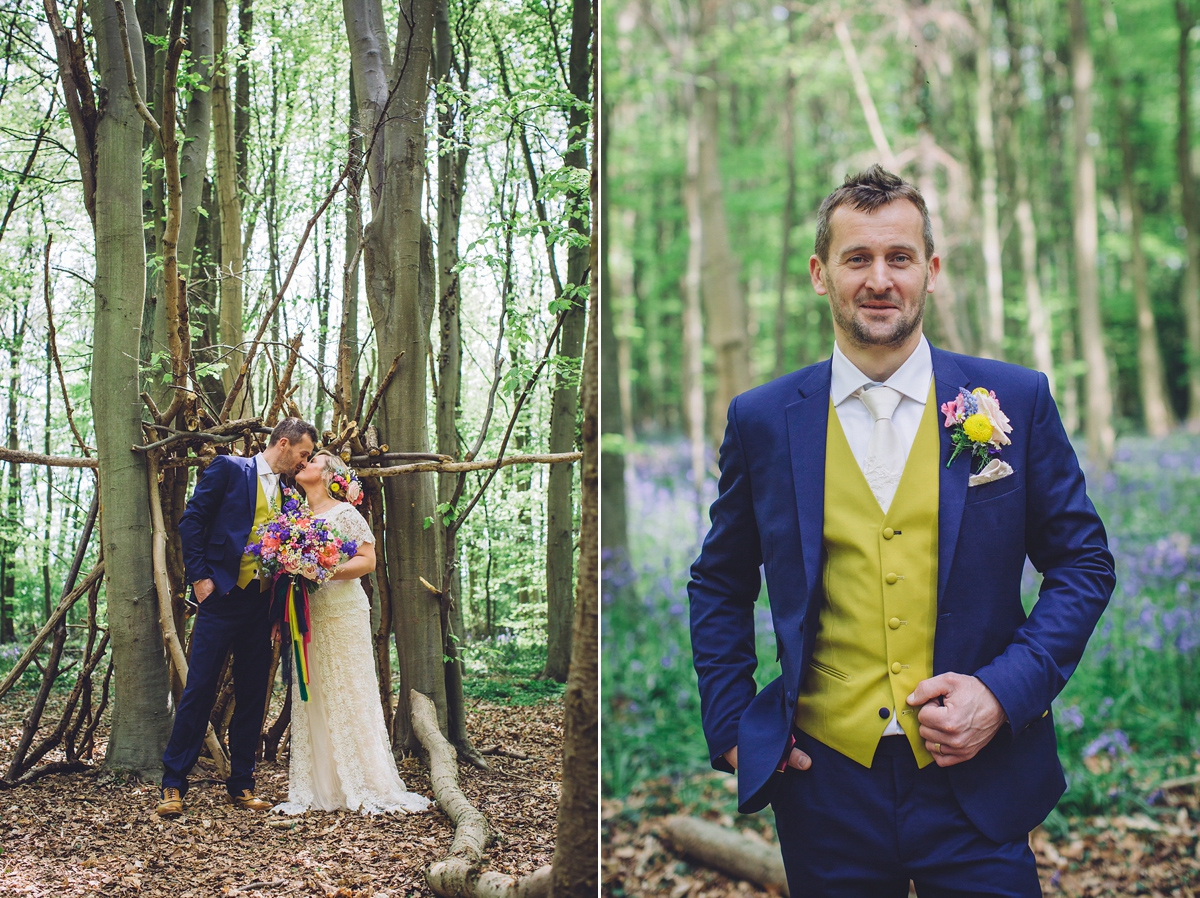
(727,850)
(460,874)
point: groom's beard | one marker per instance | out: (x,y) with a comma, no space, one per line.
(858,331)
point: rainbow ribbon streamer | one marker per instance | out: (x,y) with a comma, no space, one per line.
(296,622)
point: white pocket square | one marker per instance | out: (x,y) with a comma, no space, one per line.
(993,470)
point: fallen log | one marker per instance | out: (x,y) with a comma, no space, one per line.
(727,850)
(462,873)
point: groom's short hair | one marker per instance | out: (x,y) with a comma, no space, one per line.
(866,192)
(292,429)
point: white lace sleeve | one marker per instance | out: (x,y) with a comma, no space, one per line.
(352,525)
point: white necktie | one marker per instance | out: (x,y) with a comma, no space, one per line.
(883,464)
(271,488)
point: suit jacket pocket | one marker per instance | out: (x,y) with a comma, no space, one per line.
(994,491)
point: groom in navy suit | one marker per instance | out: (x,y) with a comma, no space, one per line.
(232,496)
(909,736)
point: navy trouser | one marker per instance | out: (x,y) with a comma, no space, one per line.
(237,620)
(853,832)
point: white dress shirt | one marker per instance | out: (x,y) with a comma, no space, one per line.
(911,380)
(270,480)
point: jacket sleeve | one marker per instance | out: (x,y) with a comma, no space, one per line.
(195,525)
(724,586)
(1066,542)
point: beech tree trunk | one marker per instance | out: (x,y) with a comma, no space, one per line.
(992,332)
(451,171)
(1098,424)
(574,865)
(393,255)
(141,717)
(564,408)
(1190,298)
(725,316)
(1152,376)
(232,262)
(614,527)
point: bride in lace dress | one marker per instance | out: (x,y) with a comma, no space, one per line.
(340,755)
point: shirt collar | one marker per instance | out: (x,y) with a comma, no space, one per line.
(262,466)
(911,379)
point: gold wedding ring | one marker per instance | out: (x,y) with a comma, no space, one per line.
(937,747)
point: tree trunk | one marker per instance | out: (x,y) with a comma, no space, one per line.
(392,253)
(12,504)
(783,361)
(560,510)
(347,388)
(1190,296)
(614,527)
(574,865)
(452,169)
(1040,335)
(726,323)
(693,320)
(993,323)
(946,306)
(141,719)
(230,204)
(1152,377)
(1098,424)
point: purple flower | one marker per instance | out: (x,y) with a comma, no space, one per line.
(1113,742)
(1071,717)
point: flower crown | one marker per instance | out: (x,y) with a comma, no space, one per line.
(346,490)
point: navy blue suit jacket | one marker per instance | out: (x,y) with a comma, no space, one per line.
(769,516)
(216,524)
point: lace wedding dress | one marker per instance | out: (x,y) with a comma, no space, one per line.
(340,754)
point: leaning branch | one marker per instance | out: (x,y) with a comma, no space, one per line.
(483,464)
(55,619)
(51,461)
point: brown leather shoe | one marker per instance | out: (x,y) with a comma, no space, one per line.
(247,802)
(171,804)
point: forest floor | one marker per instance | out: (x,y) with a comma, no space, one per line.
(94,833)
(1097,857)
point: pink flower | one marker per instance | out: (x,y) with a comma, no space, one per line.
(951,410)
(354,494)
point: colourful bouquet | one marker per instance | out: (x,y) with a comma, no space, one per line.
(299,551)
(295,543)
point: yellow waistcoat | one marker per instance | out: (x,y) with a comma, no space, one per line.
(262,513)
(874,640)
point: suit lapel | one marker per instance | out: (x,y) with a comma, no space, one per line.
(807,422)
(952,482)
(252,485)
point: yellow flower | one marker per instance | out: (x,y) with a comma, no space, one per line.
(978,428)
(980,391)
